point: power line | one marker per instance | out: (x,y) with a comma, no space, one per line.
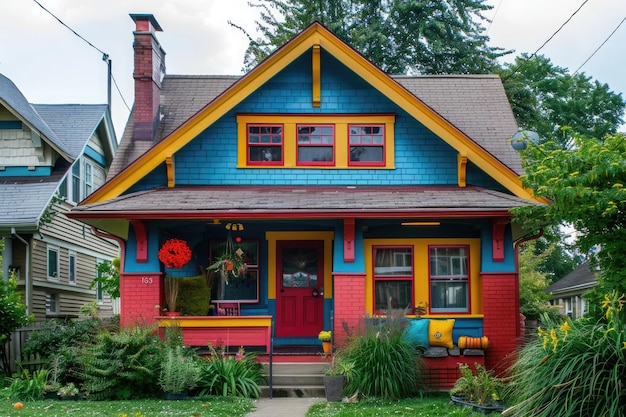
(105,56)
(599,47)
(546,42)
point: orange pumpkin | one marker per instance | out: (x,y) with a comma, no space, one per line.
(468,342)
(17,406)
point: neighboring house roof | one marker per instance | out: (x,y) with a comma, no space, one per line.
(471,113)
(13,98)
(75,123)
(65,127)
(579,279)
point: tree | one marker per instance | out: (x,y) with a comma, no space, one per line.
(108,277)
(12,316)
(533,298)
(586,187)
(398,36)
(547,99)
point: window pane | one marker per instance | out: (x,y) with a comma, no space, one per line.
(366,154)
(448,262)
(53,264)
(393,294)
(449,295)
(265,154)
(315,154)
(393,262)
(72,268)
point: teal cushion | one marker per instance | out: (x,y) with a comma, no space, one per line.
(416,332)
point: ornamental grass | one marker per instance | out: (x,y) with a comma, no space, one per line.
(574,368)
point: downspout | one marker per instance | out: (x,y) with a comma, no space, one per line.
(516,246)
(27,271)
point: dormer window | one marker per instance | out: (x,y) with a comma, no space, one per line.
(265,144)
(323,141)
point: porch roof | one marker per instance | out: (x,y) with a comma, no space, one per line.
(306,201)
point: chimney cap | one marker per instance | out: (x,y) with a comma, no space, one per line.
(146,17)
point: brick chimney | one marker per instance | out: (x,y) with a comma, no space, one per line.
(148,74)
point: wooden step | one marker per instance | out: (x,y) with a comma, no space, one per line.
(302,379)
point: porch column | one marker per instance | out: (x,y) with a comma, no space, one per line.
(501,319)
(349,305)
(140,298)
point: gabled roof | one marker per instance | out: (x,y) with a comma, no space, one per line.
(67,128)
(208,103)
(579,279)
(12,98)
(76,123)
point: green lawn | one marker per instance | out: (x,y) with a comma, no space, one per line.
(436,406)
(206,407)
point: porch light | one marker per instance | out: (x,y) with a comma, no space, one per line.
(234,226)
(420,223)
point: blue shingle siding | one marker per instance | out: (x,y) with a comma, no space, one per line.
(421,158)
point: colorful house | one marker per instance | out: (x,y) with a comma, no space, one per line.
(51,157)
(347,191)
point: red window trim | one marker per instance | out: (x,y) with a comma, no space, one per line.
(468,280)
(383,162)
(333,145)
(265,145)
(387,278)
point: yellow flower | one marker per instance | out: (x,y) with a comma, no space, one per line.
(555,339)
(565,327)
(606,301)
(541,332)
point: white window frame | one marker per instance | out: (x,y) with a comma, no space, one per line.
(52,302)
(457,268)
(55,275)
(71,268)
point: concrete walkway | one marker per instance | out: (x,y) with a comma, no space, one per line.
(284,406)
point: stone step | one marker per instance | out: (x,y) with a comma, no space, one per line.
(296,379)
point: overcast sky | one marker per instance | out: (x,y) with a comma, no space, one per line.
(50,64)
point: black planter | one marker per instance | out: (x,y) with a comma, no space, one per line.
(333,385)
(173,397)
(484,409)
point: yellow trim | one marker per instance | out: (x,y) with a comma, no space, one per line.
(171,171)
(316,72)
(461,169)
(273,237)
(315,34)
(216,321)
(340,122)
(420,264)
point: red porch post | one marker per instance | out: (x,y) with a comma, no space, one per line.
(501,318)
(140,298)
(349,304)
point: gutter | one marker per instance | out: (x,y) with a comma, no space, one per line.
(27,282)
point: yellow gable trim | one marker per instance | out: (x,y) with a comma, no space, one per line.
(315,34)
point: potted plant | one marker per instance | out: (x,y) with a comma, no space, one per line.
(481,390)
(335,377)
(325,337)
(179,373)
(174,254)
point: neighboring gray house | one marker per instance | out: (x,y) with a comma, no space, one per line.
(51,157)
(567,293)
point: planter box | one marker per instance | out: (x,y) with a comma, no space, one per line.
(333,385)
(484,409)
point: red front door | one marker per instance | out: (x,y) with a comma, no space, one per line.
(299,282)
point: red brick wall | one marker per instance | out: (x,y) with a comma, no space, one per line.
(501,318)
(141,298)
(349,304)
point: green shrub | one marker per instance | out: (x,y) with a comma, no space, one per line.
(194,296)
(179,371)
(123,365)
(55,334)
(385,365)
(573,369)
(227,375)
(27,386)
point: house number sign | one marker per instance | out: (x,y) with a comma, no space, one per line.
(147,280)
